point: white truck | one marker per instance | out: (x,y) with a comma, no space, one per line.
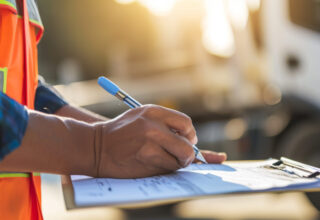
(292,38)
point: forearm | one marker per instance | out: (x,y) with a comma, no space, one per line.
(54,145)
(80,114)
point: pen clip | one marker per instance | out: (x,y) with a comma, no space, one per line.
(303,170)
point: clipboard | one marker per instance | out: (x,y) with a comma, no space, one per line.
(68,194)
(297,168)
(285,165)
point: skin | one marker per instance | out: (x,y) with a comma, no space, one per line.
(90,117)
(137,143)
(85,115)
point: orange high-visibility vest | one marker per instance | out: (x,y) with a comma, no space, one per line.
(20,31)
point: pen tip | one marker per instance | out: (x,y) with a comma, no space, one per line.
(201,158)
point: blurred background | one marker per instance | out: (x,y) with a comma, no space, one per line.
(246,71)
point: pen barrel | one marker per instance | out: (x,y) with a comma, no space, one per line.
(131,102)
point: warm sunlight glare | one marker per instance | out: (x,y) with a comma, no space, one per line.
(217,34)
(158,7)
(253,5)
(125,1)
(238,13)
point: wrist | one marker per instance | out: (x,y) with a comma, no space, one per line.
(53,145)
(80,114)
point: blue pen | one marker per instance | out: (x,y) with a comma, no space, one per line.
(113,89)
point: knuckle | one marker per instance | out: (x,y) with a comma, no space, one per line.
(192,134)
(150,110)
(188,119)
(189,123)
(183,127)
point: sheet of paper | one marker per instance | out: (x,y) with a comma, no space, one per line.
(195,180)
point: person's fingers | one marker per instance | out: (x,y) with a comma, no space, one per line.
(182,125)
(213,157)
(178,146)
(157,159)
(175,120)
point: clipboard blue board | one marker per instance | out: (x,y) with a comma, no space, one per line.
(193,182)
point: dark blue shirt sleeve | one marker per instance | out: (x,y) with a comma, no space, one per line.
(47,99)
(13,124)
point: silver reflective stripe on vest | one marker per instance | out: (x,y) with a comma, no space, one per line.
(11,3)
(3,79)
(34,12)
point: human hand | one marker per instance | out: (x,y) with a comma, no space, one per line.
(138,143)
(141,143)
(213,157)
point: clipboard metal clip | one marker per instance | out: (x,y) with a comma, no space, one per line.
(297,168)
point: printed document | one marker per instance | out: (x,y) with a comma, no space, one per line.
(196,180)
